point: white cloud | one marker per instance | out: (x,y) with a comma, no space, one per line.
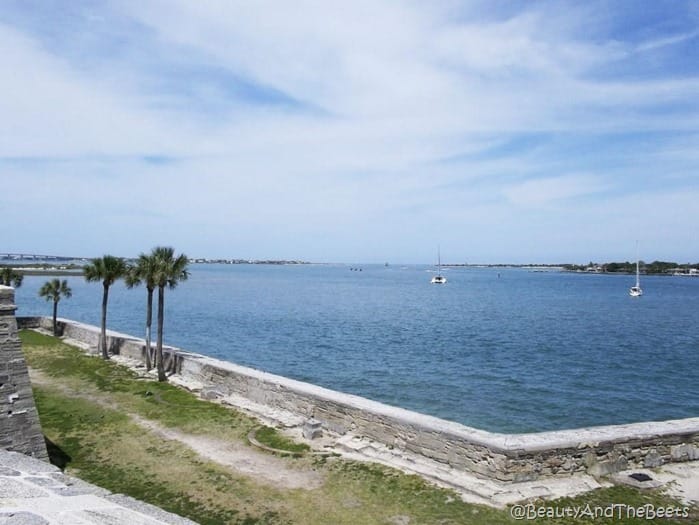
(408,63)
(50,109)
(541,192)
(386,94)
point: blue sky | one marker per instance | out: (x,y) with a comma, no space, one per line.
(351,131)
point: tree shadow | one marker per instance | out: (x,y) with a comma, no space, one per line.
(57,456)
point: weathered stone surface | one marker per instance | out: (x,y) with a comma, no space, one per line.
(312,429)
(33,492)
(653,459)
(604,468)
(211,393)
(21,518)
(15,488)
(19,421)
(633,480)
(684,452)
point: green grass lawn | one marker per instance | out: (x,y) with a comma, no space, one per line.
(93,411)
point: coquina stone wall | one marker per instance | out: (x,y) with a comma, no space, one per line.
(504,457)
(20,430)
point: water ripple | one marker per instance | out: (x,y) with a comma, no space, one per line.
(522,352)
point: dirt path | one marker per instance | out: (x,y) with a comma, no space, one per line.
(239,457)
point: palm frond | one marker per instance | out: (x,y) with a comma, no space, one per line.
(107,269)
(54,289)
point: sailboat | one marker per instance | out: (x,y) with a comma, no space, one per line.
(439,278)
(636,291)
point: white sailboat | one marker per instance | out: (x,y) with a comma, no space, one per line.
(636,291)
(439,278)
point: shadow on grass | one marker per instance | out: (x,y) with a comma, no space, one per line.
(57,456)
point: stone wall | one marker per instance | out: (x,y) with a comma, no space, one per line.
(88,335)
(20,430)
(505,457)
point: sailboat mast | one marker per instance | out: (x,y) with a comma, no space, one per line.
(438,279)
(635,291)
(638,282)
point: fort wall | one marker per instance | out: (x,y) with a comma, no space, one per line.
(504,457)
(20,430)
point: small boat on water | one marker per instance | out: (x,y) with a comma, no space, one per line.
(636,290)
(439,278)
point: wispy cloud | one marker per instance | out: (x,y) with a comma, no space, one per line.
(272,125)
(538,192)
(667,41)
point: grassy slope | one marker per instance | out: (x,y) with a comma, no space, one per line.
(84,408)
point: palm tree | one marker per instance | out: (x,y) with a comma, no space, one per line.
(107,269)
(10,277)
(54,290)
(169,271)
(144,272)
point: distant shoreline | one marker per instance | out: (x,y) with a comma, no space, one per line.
(626,268)
(49,272)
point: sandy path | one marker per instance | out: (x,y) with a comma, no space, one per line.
(241,458)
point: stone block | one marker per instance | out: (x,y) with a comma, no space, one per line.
(569,464)
(684,452)
(653,459)
(312,429)
(21,518)
(520,477)
(211,393)
(604,468)
(590,459)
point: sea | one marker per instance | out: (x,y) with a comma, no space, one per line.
(501,349)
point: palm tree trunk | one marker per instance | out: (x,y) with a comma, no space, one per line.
(159,347)
(55,312)
(103,333)
(149,322)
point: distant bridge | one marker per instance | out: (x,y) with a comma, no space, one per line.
(36,257)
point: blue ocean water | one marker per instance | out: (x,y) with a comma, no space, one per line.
(504,350)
